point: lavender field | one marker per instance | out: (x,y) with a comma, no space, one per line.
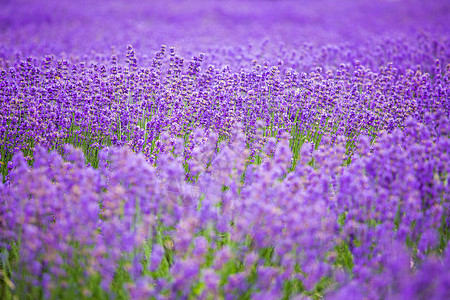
(205,149)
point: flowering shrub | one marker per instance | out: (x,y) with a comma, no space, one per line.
(256,169)
(376,227)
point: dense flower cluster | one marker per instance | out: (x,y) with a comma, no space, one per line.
(52,102)
(376,228)
(311,164)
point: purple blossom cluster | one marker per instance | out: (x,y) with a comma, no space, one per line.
(376,228)
(51,101)
(273,150)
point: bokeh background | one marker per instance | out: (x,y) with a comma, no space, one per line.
(75,27)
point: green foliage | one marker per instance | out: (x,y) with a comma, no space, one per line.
(344,258)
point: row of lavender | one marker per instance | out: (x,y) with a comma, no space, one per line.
(377,228)
(102,102)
